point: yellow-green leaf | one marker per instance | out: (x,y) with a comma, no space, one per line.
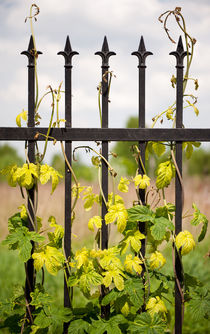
(132,238)
(158,148)
(185,241)
(26,175)
(51,257)
(119,282)
(96,220)
(39,259)
(23,212)
(90,198)
(156,305)
(133,264)
(125,310)
(141,181)
(107,280)
(117,213)
(157,260)
(194,107)
(123,185)
(47,172)
(23,115)
(81,257)
(165,173)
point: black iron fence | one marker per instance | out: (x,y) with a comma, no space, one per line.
(105,135)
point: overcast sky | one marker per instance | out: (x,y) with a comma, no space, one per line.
(86,22)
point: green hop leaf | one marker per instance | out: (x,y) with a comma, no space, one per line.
(79,326)
(165,173)
(199,218)
(111,326)
(145,324)
(20,239)
(140,213)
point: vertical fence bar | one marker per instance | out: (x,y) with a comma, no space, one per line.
(142,54)
(31,53)
(105,54)
(68,54)
(179,54)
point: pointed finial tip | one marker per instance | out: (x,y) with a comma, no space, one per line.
(180,44)
(68,45)
(105,46)
(141,44)
(31,43)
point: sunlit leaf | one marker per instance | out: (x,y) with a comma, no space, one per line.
(157,260)
(23,115)
(156,305)
(123,185)
(185,241)
(165,173)
(51,257)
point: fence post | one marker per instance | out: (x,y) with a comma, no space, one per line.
(179,307)
(31,53)
(142,55)
(105,54)
(68,54)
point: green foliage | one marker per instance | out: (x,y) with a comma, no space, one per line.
(20,238)
(79,326)
(47,314)
(199,218)
(199,305)
(140,213)
(145,324)
(111,326)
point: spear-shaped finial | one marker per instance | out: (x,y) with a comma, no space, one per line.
(68,53)
(68,47)
(142,53)
(179,53)
(31,53)
(141,45)
(105,53)
(105,46)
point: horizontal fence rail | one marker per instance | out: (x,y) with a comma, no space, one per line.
(105,135)
(110,134)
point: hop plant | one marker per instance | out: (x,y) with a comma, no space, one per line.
(156,305)
(185,241)
(157,260)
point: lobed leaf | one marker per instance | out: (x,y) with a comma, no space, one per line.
(145,324)
(165,173)
(140,213)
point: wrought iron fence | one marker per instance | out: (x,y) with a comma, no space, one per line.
(105,134)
